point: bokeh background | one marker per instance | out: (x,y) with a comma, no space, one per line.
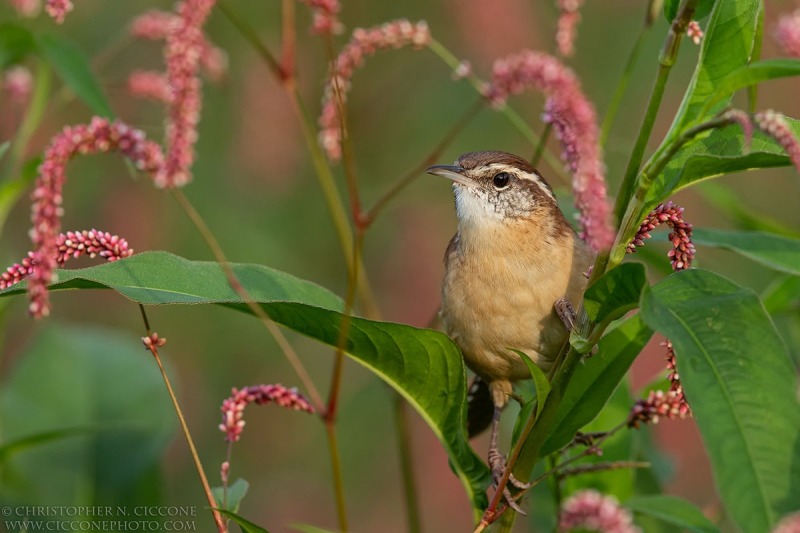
(254,184)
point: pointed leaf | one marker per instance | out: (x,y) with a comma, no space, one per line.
(674,511)
(246,525)
(749,75)
(540,381)
(424,366)
(742,387)
(15,43)
(722,151)
(615,293)
(71,64)
(232,498)
(595,381)
(727,46)
(774,251)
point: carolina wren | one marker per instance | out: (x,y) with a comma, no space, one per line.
(511,270)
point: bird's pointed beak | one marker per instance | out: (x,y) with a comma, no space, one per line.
(450,172)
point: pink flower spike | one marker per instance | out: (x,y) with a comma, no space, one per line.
(233,406)
(787,33)
(590,510)
(152,25)
(774,124)
(788,524)
(184,49)
(682,253)
(58,9)
(575,124)
(99,135)
(742,119)
(694,32)
(568,18)
(149,85)
(671,404)
(326,16)
(364,43)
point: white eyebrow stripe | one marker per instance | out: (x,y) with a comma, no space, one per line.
(530,176)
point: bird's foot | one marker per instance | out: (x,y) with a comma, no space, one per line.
(565,312)
(498,465)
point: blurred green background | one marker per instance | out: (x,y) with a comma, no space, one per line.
(254,184)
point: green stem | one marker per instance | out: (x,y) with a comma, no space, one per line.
(186,433)
(336,472)
(622,86)
(540,148)
(666,59)
(406,462)
(32,119)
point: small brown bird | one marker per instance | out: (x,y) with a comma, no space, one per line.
(514,271)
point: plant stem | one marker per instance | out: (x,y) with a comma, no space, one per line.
(622,86)
(257,310)
(32,118)
(666,59)
(198,465)
(406,464)
(430,159)
(540,148)
(336,472)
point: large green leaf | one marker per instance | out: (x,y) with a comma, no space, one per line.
(615,293)
(742,387)
(675,511)
(774,251)
(424,366)
(73,67)
(595,381)
(722,151)
(728,45)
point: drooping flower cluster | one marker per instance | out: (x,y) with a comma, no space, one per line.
(575,123)
(326,16)
(99,135)
(154,25)
(671,404)
(150,85)
(694,32)
(683,250)
(233,407)
(184,49)
(364,43)
(568,18)
(788,524)
(590,510)
(787,33)
(58,9)
(72,244)
(774,124)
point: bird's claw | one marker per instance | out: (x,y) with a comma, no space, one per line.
(498,466)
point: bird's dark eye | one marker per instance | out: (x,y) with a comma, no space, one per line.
(501,180)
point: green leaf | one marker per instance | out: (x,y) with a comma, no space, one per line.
(595,381)
(752,74)
(782,295)
(702,11)
(722,151)
(729,203)
(615,293)
(774,251)
(235,494)
(85,419)
(674,511)
(246,525)
(424,366)
(307,528)
(727,46)
(742,387)
(540,381)
(15,43)
(71,64)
